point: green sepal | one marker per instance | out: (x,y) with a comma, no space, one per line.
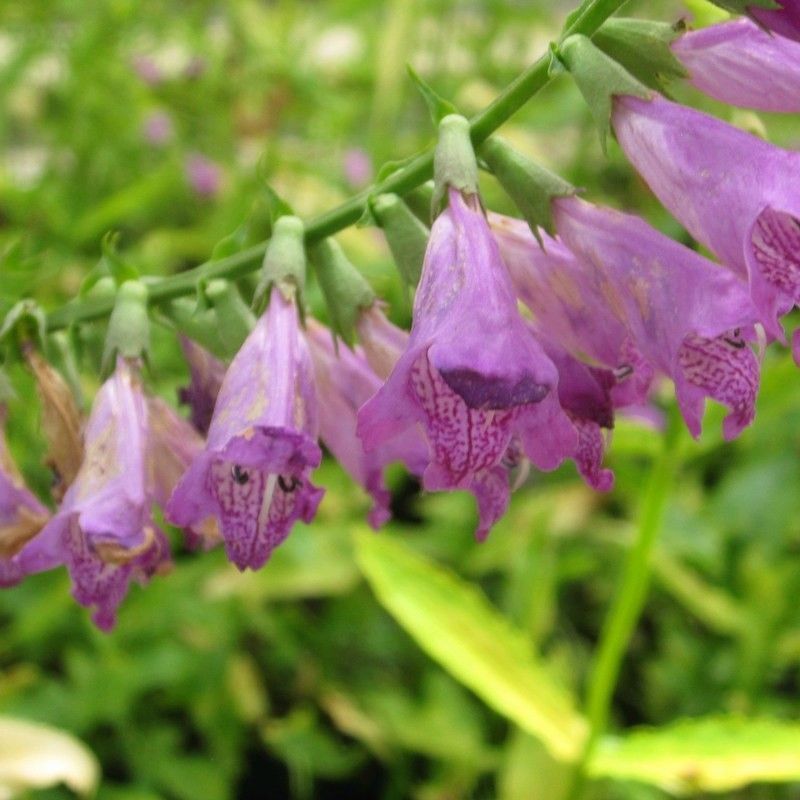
(529,185)
(438,107)
(128,326)
(186,316)
(599,78)
(744,6)
(345,289)
(284,262)
(420,200)
(454,162)
(65,350)
(24,324)
(406,236)
(233,318)
(642,46)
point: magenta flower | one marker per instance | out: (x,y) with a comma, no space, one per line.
(147,70)
(103,531)
(472,375)
(206,373)
(203,175)
(558,288)
(357,167)
(686,316)
(22,516)
(253,474)
(585,394)
(345,380)
(382,340)
(732,191)
(739,63)
(172,446)
(784,20)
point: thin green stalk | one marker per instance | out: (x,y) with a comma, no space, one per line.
(629,600)
(591,16)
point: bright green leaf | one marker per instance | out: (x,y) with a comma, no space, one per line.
(457,627)
(706,754)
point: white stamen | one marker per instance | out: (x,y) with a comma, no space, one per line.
(266,501)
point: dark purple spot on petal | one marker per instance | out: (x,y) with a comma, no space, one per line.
(482,391)
(776,248)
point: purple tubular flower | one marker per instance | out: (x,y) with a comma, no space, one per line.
(558,288)
(739,63)
(346,381)
(472,375)
(732,191)
(253,474)
(585,394)
(685,314)
(22,516)
(172,446)
(206,375)
(104,532)
(383,342)
(784,21)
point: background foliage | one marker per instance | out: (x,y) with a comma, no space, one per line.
(415,663)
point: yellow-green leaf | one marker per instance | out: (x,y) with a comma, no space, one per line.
(707,754)
(34,756)
(457,626)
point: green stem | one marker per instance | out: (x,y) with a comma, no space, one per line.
(590,17)
(630,598)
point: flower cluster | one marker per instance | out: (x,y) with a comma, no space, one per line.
(523,348)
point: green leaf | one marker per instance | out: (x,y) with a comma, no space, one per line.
(34,756)
(707,754)
(643,47)
(458,628)
(599,78)
(438,107)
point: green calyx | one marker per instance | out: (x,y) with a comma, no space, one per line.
(345,289)
(284,261)
(233,318)
(406,236)
(454,162)
(128,326)
(529,185)
(599,78)
(642,47)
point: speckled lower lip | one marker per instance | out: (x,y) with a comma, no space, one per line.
(485,392)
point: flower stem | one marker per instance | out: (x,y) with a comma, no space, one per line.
(627,606)
(589,17)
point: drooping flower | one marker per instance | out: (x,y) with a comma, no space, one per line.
(147,69)
(732,191)
(172,446)
(472,375)
(158,129)
(206,373)
(22,515)
(357,167)
(346,381)
(103,531)
(784,20)
(253,474)
(383,342)
(574,308)
(687,316)
(740,63)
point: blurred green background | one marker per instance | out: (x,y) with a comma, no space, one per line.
(160,120)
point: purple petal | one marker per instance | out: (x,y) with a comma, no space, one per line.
(589,455)
(253,475)
(719,181)
(675,304)
(206,374)
(784,21)
(739,63)
(346,381)
(383,342)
